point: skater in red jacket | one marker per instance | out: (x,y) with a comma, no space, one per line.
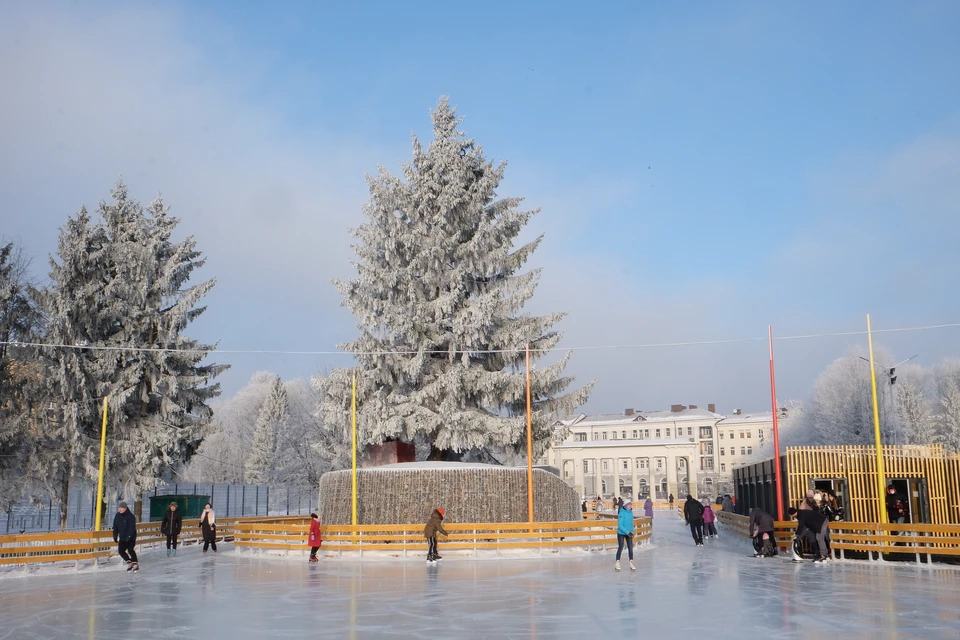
(314,539)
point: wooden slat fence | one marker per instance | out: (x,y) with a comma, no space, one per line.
(925,542)
(401,540)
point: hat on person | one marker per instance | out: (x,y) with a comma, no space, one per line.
(122,505)
(628,502)
(440,510)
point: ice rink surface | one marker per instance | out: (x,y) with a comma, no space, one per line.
(677,592)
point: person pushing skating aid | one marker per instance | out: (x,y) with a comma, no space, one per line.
(434,526)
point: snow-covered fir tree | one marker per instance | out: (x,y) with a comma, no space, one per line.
(119,288)
(271,420)
(19,372)
(438,300)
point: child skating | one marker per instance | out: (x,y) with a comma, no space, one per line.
(434,527)
(314,539)
(625,533)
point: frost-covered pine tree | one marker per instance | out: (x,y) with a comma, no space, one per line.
(438,299)
(947,378)
(120,289)
(19,372)
(270,421)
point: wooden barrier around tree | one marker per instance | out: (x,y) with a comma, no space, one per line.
(923,541)
(401,540)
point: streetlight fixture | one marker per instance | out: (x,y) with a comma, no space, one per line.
(891,373)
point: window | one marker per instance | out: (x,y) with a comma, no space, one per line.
(706,448)
(721,434)
(624,434)
(642,463)
(743,451)
(706,464)
(689,431)
(721,451)
(634,434)
(581,437)
(668,432)
(586,466)
(604,435)
(723,466)
(749,435)
(682,463)
(646,433)
(659,464)
(749,451)
(626,465)
(707,432)
(606,465)
(731,435)
(614,434)
(658,433)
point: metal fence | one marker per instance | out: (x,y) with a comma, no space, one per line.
(229,500)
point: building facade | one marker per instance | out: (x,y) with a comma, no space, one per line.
(683,451)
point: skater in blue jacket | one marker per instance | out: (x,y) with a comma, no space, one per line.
(625,533)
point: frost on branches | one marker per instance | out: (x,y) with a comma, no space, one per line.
(115,284)
(438,299)
(270,421)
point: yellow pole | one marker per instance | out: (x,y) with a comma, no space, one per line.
(529,446)
(353,415)
(881,476)
(103,459)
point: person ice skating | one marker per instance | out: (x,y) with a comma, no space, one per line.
(671,501)
(170,526)
(314,537)
(434,526)
(125,535)
(693,514)
(598,506)
(727,503)
(583,507)
(761,528)
(619,504)
(208,524)
(710,530)
(811,526)
(625,533)
(648,508)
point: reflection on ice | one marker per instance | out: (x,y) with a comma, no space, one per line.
(678,591)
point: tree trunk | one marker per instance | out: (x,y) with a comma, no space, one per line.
(444,455)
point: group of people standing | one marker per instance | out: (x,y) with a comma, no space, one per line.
(701,518)
(125,531)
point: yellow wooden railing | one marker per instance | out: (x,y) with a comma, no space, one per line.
(401,540)
(923,541)
(75,546)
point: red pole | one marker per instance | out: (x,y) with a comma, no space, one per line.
(776,430)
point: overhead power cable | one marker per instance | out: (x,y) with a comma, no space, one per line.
(652,345)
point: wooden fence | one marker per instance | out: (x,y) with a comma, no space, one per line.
(866,540)
(76,546)
(402,540)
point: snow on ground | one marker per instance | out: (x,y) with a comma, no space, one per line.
(678,591)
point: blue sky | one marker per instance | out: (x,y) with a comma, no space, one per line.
(702,171)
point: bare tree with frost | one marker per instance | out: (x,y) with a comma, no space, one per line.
(947,380)
(271,420)
(914,404)
(438,299)
(119,289)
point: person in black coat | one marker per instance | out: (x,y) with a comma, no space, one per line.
(693,514)
(170,526)
(208,525)
(761,527)
(812,526)
(125,535)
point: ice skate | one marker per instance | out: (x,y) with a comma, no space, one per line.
(633,567)
(314,559)
(169,552)
(174,552)
(616,567)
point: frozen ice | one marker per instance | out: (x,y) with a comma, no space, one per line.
(678,591)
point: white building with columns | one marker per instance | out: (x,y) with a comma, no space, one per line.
(686,450)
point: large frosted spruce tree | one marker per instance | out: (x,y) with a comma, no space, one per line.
(120,288)
(438,298)
(271,420)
